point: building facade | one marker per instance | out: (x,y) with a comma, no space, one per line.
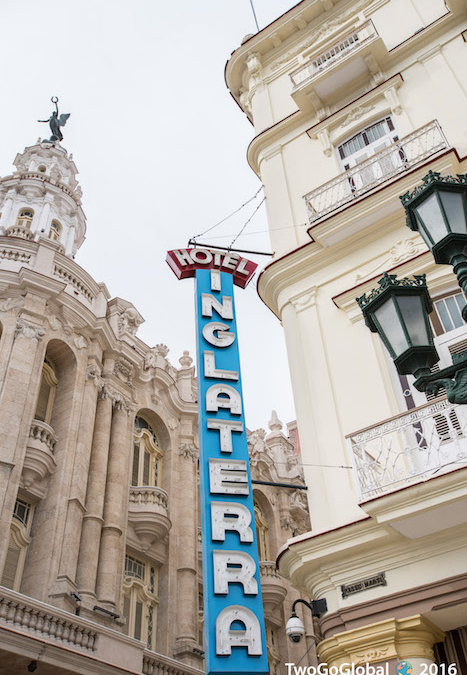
(100,552)
(352,103)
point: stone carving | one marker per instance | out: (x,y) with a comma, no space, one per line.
(185,360)
(93,373)
(401,251)
(323,137)
(128,322)
(393,99)
(54,323)
(28,330)
(188,452)
(11,303)
(119,401)
(371,654)
(155,357)
(323,31)
(288,523)
(256,445)
(356,114)
(78,192)
(124,370)
(245,101)
(274,423)
(172,423)
(80,342)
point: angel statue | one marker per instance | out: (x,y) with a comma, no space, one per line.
(55,122)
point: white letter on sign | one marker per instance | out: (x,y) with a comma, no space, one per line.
(231,517)
(228,477)
(223,337)
(225,428)
(232,400)
(249,636)
(210,369)
(209,302)
(231,567)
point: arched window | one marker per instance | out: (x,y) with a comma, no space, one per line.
(262,535)
(24,218)
(272,649)
(147,455)
(17,545)
(55,230)
(140,599)
(47,388)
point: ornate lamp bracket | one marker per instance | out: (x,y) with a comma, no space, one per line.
(453,379)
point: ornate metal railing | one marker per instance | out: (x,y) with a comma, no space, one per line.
(409,448)
(338,51)
(376,170)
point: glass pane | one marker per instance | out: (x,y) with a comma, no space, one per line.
(147,460)
(387,318)
(461,301)
(453,204)
(135,471)
(138,620)
(454,312)
(413,313)
(444,316)
(126,614)
(432,218)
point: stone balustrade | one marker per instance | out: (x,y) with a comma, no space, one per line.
(155,664)
(148,495)
(148,514)
(21,232)
(44,433)
(46,621)
(267,568)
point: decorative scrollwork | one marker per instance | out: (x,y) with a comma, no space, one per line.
(430,178)
(388,281)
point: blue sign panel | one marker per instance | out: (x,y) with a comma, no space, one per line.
(235,641)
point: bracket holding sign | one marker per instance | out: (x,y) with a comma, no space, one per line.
(235,639)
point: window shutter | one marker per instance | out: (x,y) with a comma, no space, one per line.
(138,619)
(134,475)
(42,401)
(147,459)
(126,614)
(11,565)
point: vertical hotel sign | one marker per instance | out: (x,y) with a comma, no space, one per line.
(234,635)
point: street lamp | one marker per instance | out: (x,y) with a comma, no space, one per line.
(398,310)
(437,209)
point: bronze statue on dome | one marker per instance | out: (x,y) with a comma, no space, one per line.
(55,122)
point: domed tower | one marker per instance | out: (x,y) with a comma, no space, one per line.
(42,198)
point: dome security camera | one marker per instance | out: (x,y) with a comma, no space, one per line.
(295,629)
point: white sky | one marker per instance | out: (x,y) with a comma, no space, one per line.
(161,150)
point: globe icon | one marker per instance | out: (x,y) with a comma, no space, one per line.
(404,668)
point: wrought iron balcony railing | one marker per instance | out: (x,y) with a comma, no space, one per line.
(337,52)
(381,168)
(409,448)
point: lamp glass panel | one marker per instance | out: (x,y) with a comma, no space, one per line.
(389,320)
(413,313)
(453,204)
(431,217)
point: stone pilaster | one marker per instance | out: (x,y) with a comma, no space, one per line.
(411,638)
(88,558)
(115,508)
(18,396)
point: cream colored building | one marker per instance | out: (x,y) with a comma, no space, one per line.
(352,103)
(100,553)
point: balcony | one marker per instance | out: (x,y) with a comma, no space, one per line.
(273,589)
(148,514)
(382,168)
(39,461)
(410,448)
(353,57)
(66,643)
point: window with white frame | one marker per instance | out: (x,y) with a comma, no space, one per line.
(140,599)
(447,314)
(24,218)
(55,230)
(17,545)
(147,455)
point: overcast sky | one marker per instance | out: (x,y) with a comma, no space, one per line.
(161,151)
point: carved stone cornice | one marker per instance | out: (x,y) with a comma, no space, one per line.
(119,401)
(28,330)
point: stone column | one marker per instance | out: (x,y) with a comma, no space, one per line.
(187,537)
(79,477)
(115,508)
(88,558)
(18,397)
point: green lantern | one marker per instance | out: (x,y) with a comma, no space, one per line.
(398,311)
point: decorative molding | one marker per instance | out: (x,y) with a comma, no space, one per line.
(28,330)
(392,98)
(188,452)
(124,370)
(156,357)
(93,373)
(11,303)
(128,322)
(80,342)
(401,251)
(119,401)
(356,114)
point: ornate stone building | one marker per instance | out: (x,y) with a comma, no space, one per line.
(353,103)
(100,554)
